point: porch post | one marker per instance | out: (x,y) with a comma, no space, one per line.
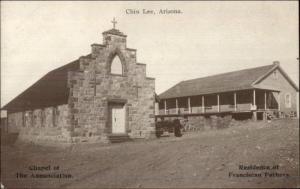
(166,107)
(234,96)
(176,105)
(254,104)
(278,97)
(189,104)
(265,100)
(218,99)
(254,100)
(297,97)
(203,105)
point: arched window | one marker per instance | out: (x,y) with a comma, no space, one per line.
(116,66)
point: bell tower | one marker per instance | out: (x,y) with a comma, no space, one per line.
(114,36)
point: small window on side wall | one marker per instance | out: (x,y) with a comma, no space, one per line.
(288,100)
(275,76)
(116,66)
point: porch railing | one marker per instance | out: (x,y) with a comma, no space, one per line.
(208,109)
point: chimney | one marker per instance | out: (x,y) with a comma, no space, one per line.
(276,62)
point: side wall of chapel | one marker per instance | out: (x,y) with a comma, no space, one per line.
(50,124)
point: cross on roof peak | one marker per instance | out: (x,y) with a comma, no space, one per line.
(114,23)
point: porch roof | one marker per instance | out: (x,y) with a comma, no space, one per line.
(226,82)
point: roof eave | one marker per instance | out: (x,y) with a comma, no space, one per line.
(210,93)
(270,71)
(265,75)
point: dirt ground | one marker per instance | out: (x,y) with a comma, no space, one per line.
(200,159)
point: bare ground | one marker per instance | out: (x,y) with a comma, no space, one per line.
(201,160)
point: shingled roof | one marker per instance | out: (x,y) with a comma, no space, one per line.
(50,90)
(231,81)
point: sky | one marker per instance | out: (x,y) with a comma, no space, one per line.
(206,38)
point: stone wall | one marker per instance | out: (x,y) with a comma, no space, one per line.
(202,123)
(93,88)
(41,125)
(15,122)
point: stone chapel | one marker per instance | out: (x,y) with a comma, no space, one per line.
(103,96)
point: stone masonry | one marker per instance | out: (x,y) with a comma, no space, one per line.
(92,89)
(49,124)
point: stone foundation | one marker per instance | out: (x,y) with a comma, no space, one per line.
(201,123)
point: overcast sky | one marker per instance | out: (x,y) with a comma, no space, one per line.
(207,38)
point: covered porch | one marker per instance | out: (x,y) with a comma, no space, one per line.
(234,101)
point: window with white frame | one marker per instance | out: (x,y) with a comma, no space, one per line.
(287,100)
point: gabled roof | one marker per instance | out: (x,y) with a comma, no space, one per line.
(50,90)
(283,73)
(231,81)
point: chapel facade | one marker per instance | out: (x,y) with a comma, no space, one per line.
(101,95)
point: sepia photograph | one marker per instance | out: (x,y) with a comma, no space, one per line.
(149,94)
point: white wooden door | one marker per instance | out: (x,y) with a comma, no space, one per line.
(118,120)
